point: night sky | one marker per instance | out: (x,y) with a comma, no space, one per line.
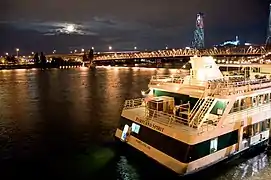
(64,25)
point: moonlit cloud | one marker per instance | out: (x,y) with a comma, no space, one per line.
(62,24)
(53,28)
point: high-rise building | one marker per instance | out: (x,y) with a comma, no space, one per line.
(198,41)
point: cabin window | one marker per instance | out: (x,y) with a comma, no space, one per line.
(236,106)
(243,104)
(248,102)
(261,99)
(135,128)
(263,126)
(265,99)
(219,107)
(254,102)
(255,129)
(245,133)
(250,130)
(213,145)
(268,123)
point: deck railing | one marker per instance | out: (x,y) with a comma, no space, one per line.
(134,103)
(229,87)
(173,121)
(176,78)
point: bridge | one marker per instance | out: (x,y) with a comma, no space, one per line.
(186,52)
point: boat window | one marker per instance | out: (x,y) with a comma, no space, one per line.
(245,133)
(135,128)
(124,132)
(255,129)
(248,102)
(254,101)
(236,106)
(268,123)
(219,107)
(265,99)
(263,126)
(243,104)
(250,130)
(261,99)
(213,145)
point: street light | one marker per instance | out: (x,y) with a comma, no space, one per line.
(82,50)
(17,50)
(54,51)
(110,48)
(6,54)
(32,53)
(92,48)
(75,50)
(135,48)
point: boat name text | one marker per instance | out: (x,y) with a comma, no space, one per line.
(151,125)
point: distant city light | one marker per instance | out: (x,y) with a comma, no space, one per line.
(82,50)
(135,48)
(110,48)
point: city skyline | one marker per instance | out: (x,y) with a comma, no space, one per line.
(64,26)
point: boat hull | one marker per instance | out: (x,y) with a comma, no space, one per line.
(188,167)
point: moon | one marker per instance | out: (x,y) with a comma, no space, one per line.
(70,28)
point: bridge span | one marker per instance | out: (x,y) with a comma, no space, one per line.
(187,52)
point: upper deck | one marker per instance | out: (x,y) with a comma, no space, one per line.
(206,77)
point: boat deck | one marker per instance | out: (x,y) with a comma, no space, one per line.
(165,119)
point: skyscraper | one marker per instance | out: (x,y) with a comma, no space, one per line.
(198,41)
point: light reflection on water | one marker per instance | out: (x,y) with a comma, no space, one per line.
(48,118)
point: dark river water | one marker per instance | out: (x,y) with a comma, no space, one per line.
(61,124)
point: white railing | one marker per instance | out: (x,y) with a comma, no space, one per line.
(237,116)
(229,87)
(164,118)
(176,121)
(133,103)
(177,78)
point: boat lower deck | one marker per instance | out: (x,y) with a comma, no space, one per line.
(165,120)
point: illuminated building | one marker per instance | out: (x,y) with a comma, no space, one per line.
(198,41)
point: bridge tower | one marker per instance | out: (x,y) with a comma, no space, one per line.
(268,37)
(198,41)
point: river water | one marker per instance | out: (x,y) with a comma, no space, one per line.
(60,123)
